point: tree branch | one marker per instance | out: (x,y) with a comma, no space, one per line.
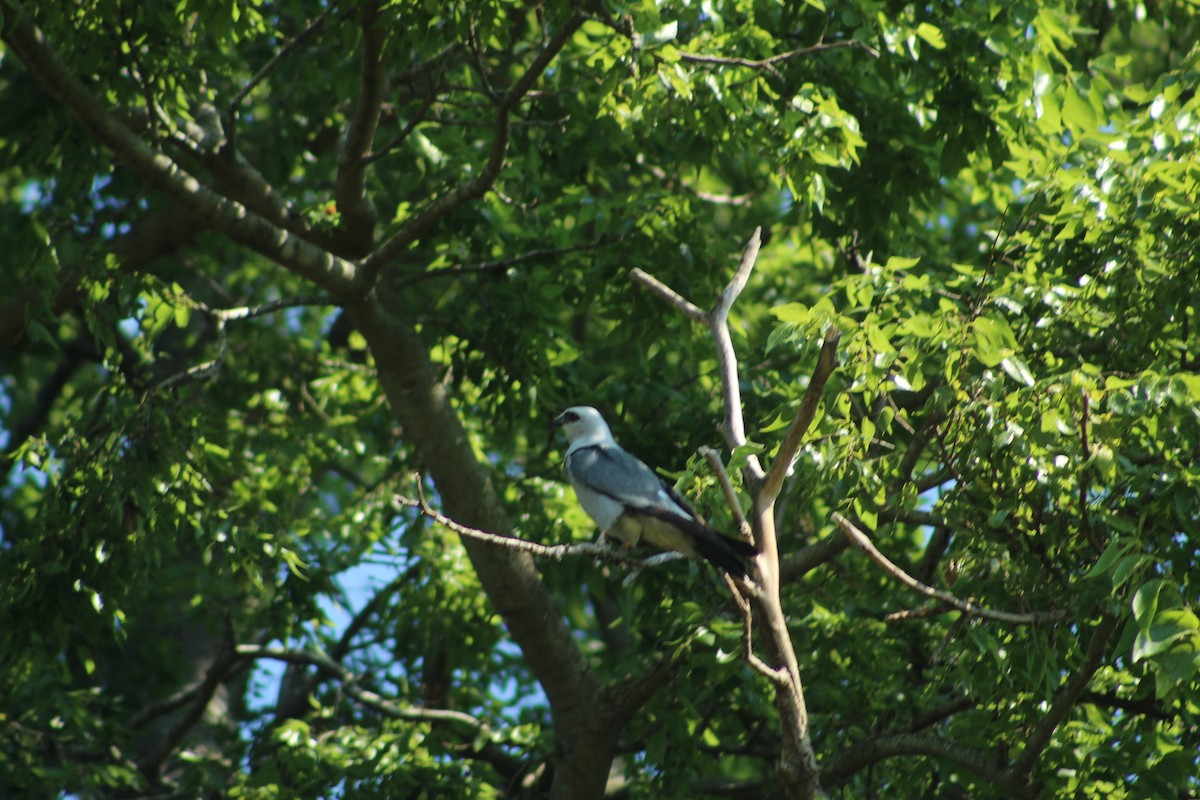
(357,212)
(826,363)
(839,768)
(496,267)
(681,304)
(231,110)
(557,552)
(768,64)
(863,542)
(158,170)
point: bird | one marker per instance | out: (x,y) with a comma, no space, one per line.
(630,503)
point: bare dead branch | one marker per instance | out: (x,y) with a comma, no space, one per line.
(779,677)
(681,304)
(557,552)
(718,325)
(863,542)
(797,766)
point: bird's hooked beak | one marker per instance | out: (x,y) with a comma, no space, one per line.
(560,420)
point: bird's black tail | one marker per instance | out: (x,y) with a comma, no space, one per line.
(730,555)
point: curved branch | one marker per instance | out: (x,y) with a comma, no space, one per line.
(158,170)
(863,542)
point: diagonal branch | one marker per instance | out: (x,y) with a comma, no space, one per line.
(163,173)
(422,223)
(231,110)
(1071,692)
(794,437)
(863,542)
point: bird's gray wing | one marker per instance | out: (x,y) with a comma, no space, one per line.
(609,470)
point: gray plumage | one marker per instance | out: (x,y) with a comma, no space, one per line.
(629,502)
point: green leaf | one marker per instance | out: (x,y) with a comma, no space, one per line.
(1145,602)
(1171,628)
(994,340)
(931,34)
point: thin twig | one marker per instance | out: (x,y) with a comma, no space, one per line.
(731,498)
(776,676)
(246,312)
(269,67)
(368,698)
(499,265)
(863,542)
(418,225)
(769,63)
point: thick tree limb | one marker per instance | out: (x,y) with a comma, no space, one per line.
(584,740)
(158,170)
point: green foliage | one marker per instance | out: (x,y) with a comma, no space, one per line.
(995,203)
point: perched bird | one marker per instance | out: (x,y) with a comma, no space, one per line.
(629,502)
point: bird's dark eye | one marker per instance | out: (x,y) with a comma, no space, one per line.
(570,416)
